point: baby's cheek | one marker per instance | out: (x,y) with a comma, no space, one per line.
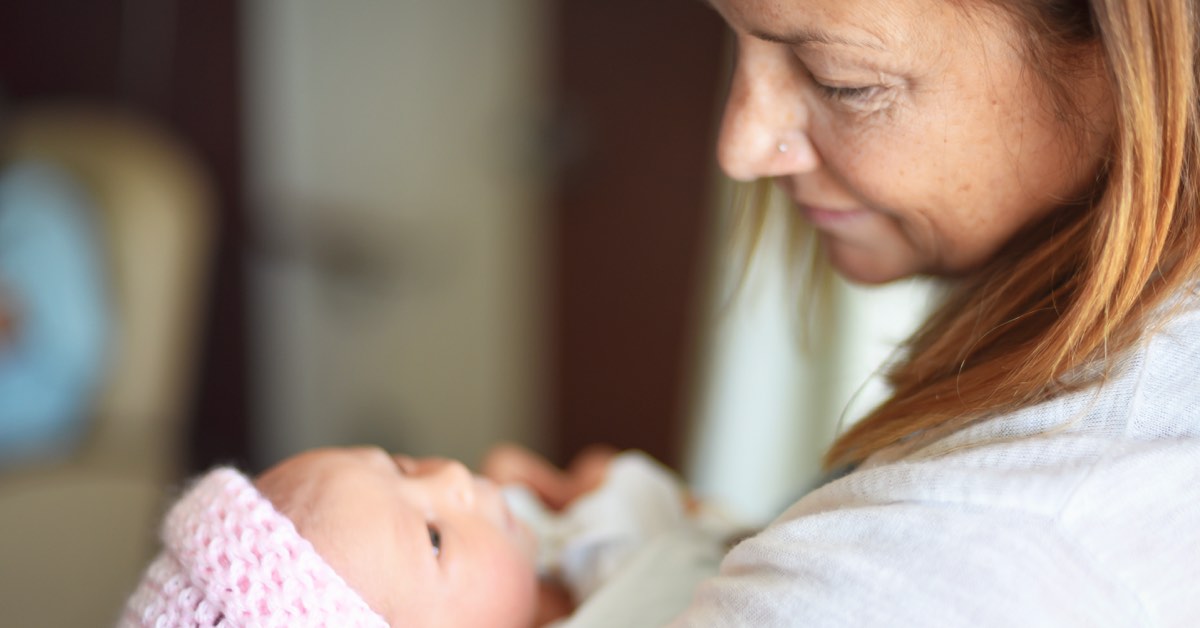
(514,587)
(371,569)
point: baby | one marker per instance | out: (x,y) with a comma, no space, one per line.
(357,537)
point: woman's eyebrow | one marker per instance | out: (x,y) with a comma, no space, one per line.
(807,36)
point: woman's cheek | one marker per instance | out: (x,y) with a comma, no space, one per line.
(876,179)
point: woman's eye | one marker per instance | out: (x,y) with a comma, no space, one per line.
(840,94)
(435,540)
(836,93)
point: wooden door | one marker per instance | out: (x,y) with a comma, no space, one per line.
(637,89)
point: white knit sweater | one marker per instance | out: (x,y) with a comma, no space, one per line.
(1082,511)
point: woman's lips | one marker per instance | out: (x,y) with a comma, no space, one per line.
(823,217)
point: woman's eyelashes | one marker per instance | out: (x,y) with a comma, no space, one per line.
(435,539)
(838,93)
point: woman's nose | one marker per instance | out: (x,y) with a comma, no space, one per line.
(764,131)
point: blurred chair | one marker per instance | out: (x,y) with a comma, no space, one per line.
(75,533)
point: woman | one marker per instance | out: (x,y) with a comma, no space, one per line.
(1038,461)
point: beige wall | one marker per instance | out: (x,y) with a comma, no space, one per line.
(397,292)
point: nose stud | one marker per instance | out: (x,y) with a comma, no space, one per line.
(783,147)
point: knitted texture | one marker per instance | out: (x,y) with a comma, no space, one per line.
(230,559)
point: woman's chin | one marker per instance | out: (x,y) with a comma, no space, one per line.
(867,266)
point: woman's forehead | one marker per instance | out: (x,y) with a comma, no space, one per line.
(872,24)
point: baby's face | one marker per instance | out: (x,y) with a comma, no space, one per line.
(423,541)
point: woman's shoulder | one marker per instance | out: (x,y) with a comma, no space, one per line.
(1165,379)
(1149,393)
(1043,461)
(1051,502)
(1107,522)
(895,543)
(1110,526)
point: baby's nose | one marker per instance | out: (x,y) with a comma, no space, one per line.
(406,464)
(454,477)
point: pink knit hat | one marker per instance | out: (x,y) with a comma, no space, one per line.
(231,559)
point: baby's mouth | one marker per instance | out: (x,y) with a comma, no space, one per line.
(520,532)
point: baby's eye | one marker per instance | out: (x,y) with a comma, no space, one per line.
(435,540)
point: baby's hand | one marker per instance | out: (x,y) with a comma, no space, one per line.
(513,464)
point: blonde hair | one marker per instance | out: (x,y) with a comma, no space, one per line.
(1081,287)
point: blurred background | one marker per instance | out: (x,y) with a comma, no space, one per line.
(233,230)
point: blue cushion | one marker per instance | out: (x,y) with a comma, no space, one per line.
(52,278)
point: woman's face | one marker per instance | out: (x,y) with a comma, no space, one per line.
(911,134)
